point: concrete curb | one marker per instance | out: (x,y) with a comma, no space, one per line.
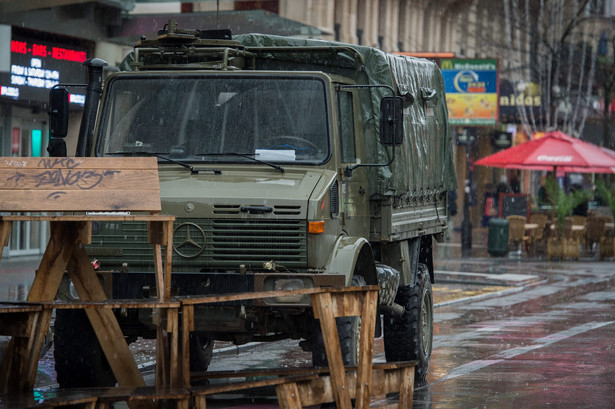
(507,279)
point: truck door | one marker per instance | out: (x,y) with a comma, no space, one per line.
(355,201)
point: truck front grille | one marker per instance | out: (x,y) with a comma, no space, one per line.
(207,244)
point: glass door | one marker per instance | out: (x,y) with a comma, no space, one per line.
(28,238)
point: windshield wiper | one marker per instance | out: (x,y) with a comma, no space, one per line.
(193,170)
(244,155)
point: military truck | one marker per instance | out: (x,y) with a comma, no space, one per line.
(288,163)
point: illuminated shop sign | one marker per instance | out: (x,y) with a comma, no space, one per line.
(37,65)
(471,87)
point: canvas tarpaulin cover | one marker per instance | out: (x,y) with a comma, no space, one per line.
(424,162)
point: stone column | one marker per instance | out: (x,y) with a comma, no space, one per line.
(346,20)
(388,24)
(368,22)
(317,13)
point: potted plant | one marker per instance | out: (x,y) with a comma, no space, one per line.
(562,204)
(608,198)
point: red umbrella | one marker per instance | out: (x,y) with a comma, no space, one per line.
(554,151)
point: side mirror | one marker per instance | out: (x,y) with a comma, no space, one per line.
(392,121)
(58,112)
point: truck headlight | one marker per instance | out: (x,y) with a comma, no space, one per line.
(289,284)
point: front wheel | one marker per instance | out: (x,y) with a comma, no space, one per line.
(410,337)
(348,329)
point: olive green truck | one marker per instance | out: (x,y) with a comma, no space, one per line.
(288,163)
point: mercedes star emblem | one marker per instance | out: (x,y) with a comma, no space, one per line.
(188,240)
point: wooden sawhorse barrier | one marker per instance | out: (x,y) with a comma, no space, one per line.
(105,190)
(302,387)
(297,388)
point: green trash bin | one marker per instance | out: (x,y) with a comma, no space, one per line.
(498,237)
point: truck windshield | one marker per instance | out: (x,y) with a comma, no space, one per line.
(212,118)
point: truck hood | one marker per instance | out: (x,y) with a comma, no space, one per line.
(238,192)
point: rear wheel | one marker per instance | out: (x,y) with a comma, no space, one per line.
(348,329)
(79,359)
(201,350)
(410,337)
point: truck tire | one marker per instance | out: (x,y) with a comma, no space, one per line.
(410,337)
(79,359)
(348,329)
(201,350)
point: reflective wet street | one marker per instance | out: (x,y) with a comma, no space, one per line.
(550,344)
(509,333)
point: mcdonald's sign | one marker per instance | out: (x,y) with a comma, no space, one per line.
(471,90)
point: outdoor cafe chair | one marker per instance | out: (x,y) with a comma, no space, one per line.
(516,231)
(594,231)
(537,234)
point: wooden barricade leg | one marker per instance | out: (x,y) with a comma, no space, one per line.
(18,370)
(187,327)
(5,234)
(173,356)
(161,234)
(323,310)
(366,354)
(200,402)
(406,388)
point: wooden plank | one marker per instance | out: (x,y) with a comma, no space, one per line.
(79,184)
(71,162)
(102,217)
(49,399)
(187,327)
(80,180)
(5,234)
(366,350)
(281,372)
(322,303)
(168,258)
(288,396)
(77,201)
(320,390)
(111,304)
(159,273)
(127,394)
(173,353)
(211,299)
(245,385)
(345,306)
(17,307)
(39,329)
(261,372)
(406,388)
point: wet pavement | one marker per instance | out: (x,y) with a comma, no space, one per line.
(512,332)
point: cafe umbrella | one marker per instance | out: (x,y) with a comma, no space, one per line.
(554,151)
